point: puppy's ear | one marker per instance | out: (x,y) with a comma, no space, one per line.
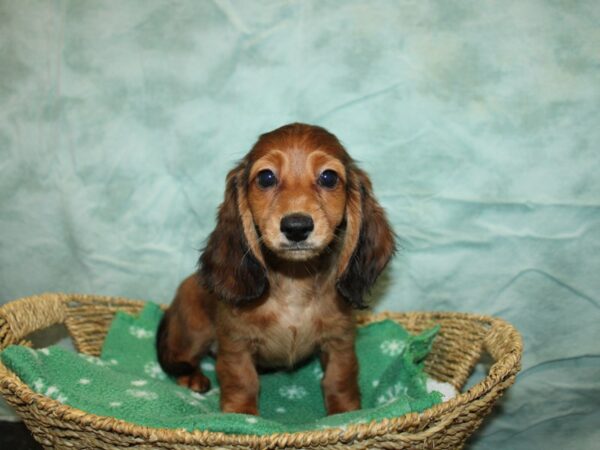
(368,242)
(231,264)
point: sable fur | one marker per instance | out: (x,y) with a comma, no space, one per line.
(270,302)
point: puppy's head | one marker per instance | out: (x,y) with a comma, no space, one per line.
(295,193)
(296,181)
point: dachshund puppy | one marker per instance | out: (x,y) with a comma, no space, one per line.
(299,241)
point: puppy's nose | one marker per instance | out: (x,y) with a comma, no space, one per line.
(296,227)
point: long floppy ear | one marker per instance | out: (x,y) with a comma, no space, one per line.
(231,264)
(368,242)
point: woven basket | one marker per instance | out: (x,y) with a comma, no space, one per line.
(460,345)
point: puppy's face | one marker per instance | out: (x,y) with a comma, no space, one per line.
(294,190)
(297,194)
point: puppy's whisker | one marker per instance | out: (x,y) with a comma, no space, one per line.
(307,267)
(259,240)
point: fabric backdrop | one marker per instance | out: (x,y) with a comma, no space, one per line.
(477,121)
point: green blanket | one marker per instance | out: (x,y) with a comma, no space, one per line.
(126,382)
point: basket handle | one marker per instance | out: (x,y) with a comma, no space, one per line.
(21,317)
(505,345)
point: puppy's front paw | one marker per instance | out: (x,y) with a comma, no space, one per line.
(196,381)
(249,408)
(337,406)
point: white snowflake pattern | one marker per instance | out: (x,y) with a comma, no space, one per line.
(93,360)
(317,372)
(193,399)
(342,427)
(187,399)
(281,410)
(38,385)
(208,367)
(140,333)
(251,420)
(197,395)
(115,404)
(139,383)
(391,394)
(51,391)
(392,347)
(213,391)
(54,392)
(153,370)
(139,393)
(292,392)
(84,381)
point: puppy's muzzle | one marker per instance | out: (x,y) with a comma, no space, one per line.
(296,227)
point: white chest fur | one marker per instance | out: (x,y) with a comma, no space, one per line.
(292,330)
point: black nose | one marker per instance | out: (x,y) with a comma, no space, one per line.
(296,227)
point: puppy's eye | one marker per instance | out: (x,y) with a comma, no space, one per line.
(266,178)
(328,179)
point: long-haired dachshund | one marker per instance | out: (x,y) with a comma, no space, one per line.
(299,241)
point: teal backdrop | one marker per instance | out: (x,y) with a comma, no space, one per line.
(478,122)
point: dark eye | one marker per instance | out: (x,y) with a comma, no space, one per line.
(266,178)
(328,179)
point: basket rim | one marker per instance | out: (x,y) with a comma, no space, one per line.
(502,369)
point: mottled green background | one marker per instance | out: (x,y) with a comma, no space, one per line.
(477,120)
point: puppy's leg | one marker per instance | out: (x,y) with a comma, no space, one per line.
(185,335)
(340,379)
(237,377)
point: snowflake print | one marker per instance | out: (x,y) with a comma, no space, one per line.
(140,333)
(139,383)
(213,391)
(51,391)
(115,404)
(208,366)
(93,360)
(197,395)
(38,385)
(317,372)
(84,381)
(153,370)
(54,392)
(292,392)
(391,394)
(138,393)
(187,399)
(392,347)
(193,399)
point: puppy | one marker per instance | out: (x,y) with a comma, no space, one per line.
(299,241)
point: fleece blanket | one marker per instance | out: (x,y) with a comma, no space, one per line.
(126,382)
(478,122)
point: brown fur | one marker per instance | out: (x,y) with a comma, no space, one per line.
(265,304)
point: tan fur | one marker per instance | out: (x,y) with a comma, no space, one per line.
(267,301)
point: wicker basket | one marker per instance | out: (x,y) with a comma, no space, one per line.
(462,341)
